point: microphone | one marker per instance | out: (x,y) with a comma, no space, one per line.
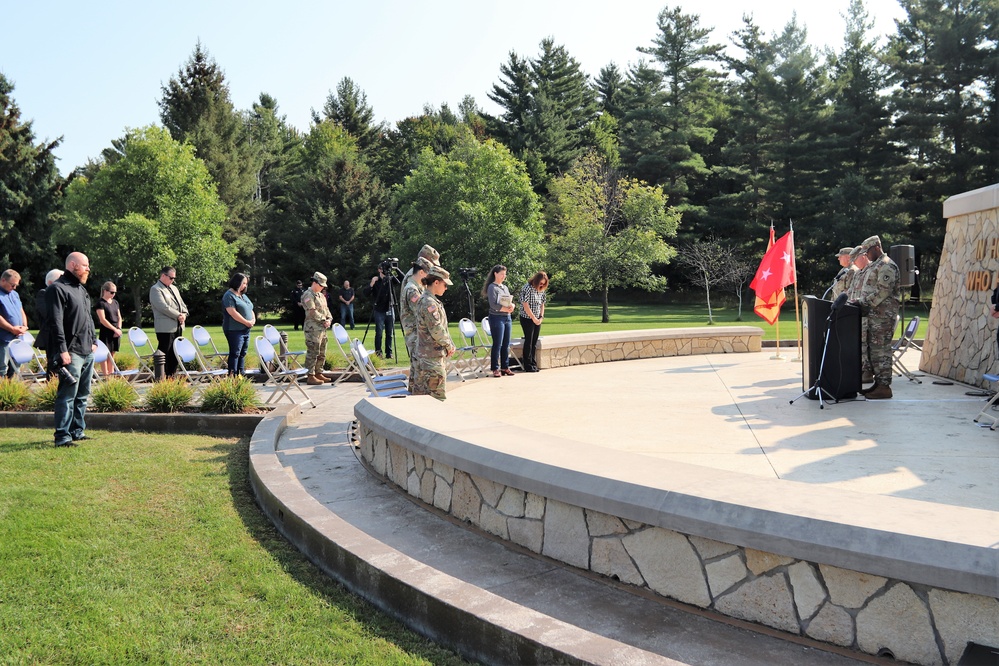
(839,302)
(842,273)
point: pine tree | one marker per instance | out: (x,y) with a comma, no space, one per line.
(30,196)
(664,133)
(196,108)
(862,164)
(609,86)
(349,108)
(548,105)
(941,57)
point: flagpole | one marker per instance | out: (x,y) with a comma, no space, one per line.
(777,356)
(797,313)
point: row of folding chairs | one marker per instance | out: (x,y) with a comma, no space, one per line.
(471,358)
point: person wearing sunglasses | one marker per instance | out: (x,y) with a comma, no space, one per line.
(109,323)
(169,315)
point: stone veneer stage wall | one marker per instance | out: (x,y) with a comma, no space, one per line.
(960,341)
(767,551)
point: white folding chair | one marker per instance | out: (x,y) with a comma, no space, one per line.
(379,386)
(343,342)
(210,354)
(22,355)
(291,359)
(900,346)
(39,354)
(143,350)
(466,360)
(279,375)
(103,353)
(187,354)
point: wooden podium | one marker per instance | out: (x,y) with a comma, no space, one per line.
(842,370)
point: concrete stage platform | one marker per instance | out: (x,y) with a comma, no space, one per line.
(726,412)
(731,412)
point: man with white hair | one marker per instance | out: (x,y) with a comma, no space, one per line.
(50,277)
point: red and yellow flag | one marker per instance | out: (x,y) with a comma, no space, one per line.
(776,271)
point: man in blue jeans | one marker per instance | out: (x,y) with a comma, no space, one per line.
(70,343)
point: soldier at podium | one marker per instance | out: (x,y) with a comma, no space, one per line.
(878,297)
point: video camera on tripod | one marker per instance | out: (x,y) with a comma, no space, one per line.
(467,273)
(390,265)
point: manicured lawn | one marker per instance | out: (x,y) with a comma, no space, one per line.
(144,548)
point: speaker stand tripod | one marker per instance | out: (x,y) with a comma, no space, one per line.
(817,385)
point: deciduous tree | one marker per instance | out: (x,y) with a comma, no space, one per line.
(610,231)
(154,205)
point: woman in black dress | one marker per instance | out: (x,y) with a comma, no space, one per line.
(109,322)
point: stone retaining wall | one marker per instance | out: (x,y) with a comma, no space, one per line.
(870,613)
(560,351)
(960,340)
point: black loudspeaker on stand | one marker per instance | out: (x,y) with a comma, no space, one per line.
(830,361)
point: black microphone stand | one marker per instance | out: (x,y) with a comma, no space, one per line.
(817,385)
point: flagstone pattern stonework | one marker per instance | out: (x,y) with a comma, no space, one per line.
(561,351)
(961,339)
(873,614)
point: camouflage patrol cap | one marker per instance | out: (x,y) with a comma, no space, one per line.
(430,254)
(844,250)
(423,264)
(856,252)
(440,273)
(320,278)
(870,242)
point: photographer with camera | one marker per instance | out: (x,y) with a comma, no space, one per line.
(380,290)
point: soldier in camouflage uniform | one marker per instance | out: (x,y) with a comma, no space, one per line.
(853,283)
(842,278)
(317,321)
(433,342)
(412,289)
(879,297)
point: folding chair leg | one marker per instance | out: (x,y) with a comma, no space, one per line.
(987,409)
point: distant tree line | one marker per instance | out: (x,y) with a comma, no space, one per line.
(587,176)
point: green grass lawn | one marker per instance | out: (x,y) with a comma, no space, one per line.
(146,548)
(561,319)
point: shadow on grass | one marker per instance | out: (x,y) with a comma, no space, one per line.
(15,447)
(235,455)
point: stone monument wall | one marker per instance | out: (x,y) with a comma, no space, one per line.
(961,338)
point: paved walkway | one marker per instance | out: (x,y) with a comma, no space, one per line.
(710,410)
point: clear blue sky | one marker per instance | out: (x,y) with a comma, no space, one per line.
(88,70)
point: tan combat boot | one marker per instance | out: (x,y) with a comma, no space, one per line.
(312,380)
(881,392)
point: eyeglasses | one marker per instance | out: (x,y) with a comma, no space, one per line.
(170,277)
(112,292)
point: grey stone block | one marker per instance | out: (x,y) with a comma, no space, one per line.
(669,565)
(833,625)
(601,524)
(725,573)
(465,500)
(850,589)
(512,503)
(899,621)
(709,548)
(566,538)
(961,618)
(608,557)
(809,594)
(527,533)
(766,600)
